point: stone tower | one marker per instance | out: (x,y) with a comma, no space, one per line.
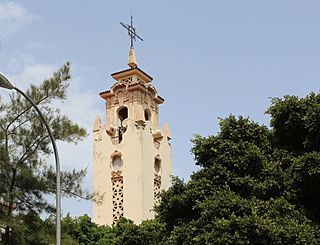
(132,155)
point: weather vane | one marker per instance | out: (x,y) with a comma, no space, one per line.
(131,32)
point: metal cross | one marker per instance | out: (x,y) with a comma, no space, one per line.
(131,32)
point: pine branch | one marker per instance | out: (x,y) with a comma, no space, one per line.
(17,117)
(20,124)
(35,143)
(85,196)
(37,102)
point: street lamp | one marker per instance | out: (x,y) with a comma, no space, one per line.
(5,83)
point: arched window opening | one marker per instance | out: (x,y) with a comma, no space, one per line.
(116,163)
(147,114)
(122,115)
(157,165)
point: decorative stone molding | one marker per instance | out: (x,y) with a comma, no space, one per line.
(157,177)
(114,154)
(156,190)
(157,134)
(140,124)
(111,131)
(127,80)
(157,138)
(116,174)
(117,86)
(117,199)
(157,156)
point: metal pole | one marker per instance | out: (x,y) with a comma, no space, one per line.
(56,155)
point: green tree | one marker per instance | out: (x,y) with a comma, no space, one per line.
(84,232)
(255,185)
(296,122)
(26,176)
(296,127)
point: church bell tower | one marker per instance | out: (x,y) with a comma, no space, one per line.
(131,154)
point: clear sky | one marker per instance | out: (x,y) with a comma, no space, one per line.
(208,59)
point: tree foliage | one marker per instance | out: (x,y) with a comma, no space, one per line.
(26,176)
(256,185)
(296,122)
(84,232)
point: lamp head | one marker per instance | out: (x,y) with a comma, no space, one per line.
(5,83)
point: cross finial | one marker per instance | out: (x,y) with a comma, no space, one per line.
(131,31)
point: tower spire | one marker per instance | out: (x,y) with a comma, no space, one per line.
(132,61)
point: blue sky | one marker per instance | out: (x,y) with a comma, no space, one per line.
(208,59)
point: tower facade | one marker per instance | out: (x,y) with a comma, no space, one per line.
(132,155)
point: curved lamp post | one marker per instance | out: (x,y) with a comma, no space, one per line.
(5,83)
